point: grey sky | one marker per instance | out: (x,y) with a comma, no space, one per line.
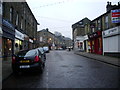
(59,15)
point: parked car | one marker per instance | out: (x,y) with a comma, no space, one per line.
(28,60)
(42,52)
(46,49)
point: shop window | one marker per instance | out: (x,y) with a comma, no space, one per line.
(18,45)
(99,44)
(7,47)
(93,46)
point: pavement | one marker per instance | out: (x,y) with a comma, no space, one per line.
(106,59)
(6,68)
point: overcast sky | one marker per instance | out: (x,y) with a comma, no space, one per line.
(59,15)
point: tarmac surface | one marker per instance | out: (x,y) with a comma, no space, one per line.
(64,69)
(6,70)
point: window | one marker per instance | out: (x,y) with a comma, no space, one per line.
(25,25)
(17,17)
(106,22)
(99,25)
(93,29)
(22,23)
(11,14)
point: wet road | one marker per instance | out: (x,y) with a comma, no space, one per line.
(67,70)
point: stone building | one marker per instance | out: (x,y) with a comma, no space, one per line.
(19,27)
(78,31)
(46,38)
(104,32)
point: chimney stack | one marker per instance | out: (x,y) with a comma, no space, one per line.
(108,3)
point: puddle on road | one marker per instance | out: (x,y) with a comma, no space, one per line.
(95,67)
(78,66)
(71,66)
(64,66)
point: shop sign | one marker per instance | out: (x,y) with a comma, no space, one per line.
(115,14)
(80,38)
(19,35)
(85,37)
(30,40)
(112,31)
(95,34)
(9,25)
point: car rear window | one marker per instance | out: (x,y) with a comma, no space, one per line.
(27,53)
(22,53)
(31,53)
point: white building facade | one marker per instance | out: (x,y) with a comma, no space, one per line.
(111,41)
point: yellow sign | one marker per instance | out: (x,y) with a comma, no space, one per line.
(24,61)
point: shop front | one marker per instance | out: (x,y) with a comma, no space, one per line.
(111,42)
(95,40)
(7,39)
(79,43)
(19,38)
(86,43)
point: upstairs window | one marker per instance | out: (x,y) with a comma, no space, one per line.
(99,25)
(17,19)
(22,23)
(11,14)
(106,22)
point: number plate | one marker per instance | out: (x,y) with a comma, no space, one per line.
(24,61)
(25,66)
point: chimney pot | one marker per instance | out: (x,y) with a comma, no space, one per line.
(110,3)
(118,3)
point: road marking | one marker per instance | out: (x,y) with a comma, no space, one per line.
(47,74)
(47,79)
(47,86)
